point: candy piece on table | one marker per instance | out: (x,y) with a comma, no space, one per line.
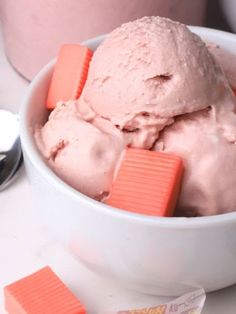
(69,75)
(147,183)
(41,292)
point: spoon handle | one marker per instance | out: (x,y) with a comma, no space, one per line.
(9,163)
(2,164)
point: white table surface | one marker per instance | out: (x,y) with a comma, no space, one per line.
(25,246)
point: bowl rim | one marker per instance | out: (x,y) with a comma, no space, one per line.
(29,147)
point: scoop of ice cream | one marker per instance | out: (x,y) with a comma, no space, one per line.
(82,154)
(206,141)
(148,71)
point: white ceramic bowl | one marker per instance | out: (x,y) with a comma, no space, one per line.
(164,256)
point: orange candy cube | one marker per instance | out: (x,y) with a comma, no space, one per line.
(41,293)
(147,182)
(69,75)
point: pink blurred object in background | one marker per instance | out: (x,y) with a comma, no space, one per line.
(34,30)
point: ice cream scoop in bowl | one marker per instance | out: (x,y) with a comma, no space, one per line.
(165,256)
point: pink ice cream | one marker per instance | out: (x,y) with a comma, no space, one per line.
(147,72)
(152,84)
(83,154)
(227,60)
(206,142)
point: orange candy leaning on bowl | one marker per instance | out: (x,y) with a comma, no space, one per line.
(69,75)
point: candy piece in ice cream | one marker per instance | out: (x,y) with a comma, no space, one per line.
(69,75)
(147,183)
(41,292)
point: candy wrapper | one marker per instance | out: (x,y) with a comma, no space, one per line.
(190,303)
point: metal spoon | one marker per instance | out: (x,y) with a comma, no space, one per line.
(10,148)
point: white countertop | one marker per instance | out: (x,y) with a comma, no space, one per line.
(25,246)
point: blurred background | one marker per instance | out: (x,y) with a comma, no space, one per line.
(33,31)
(219,14)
